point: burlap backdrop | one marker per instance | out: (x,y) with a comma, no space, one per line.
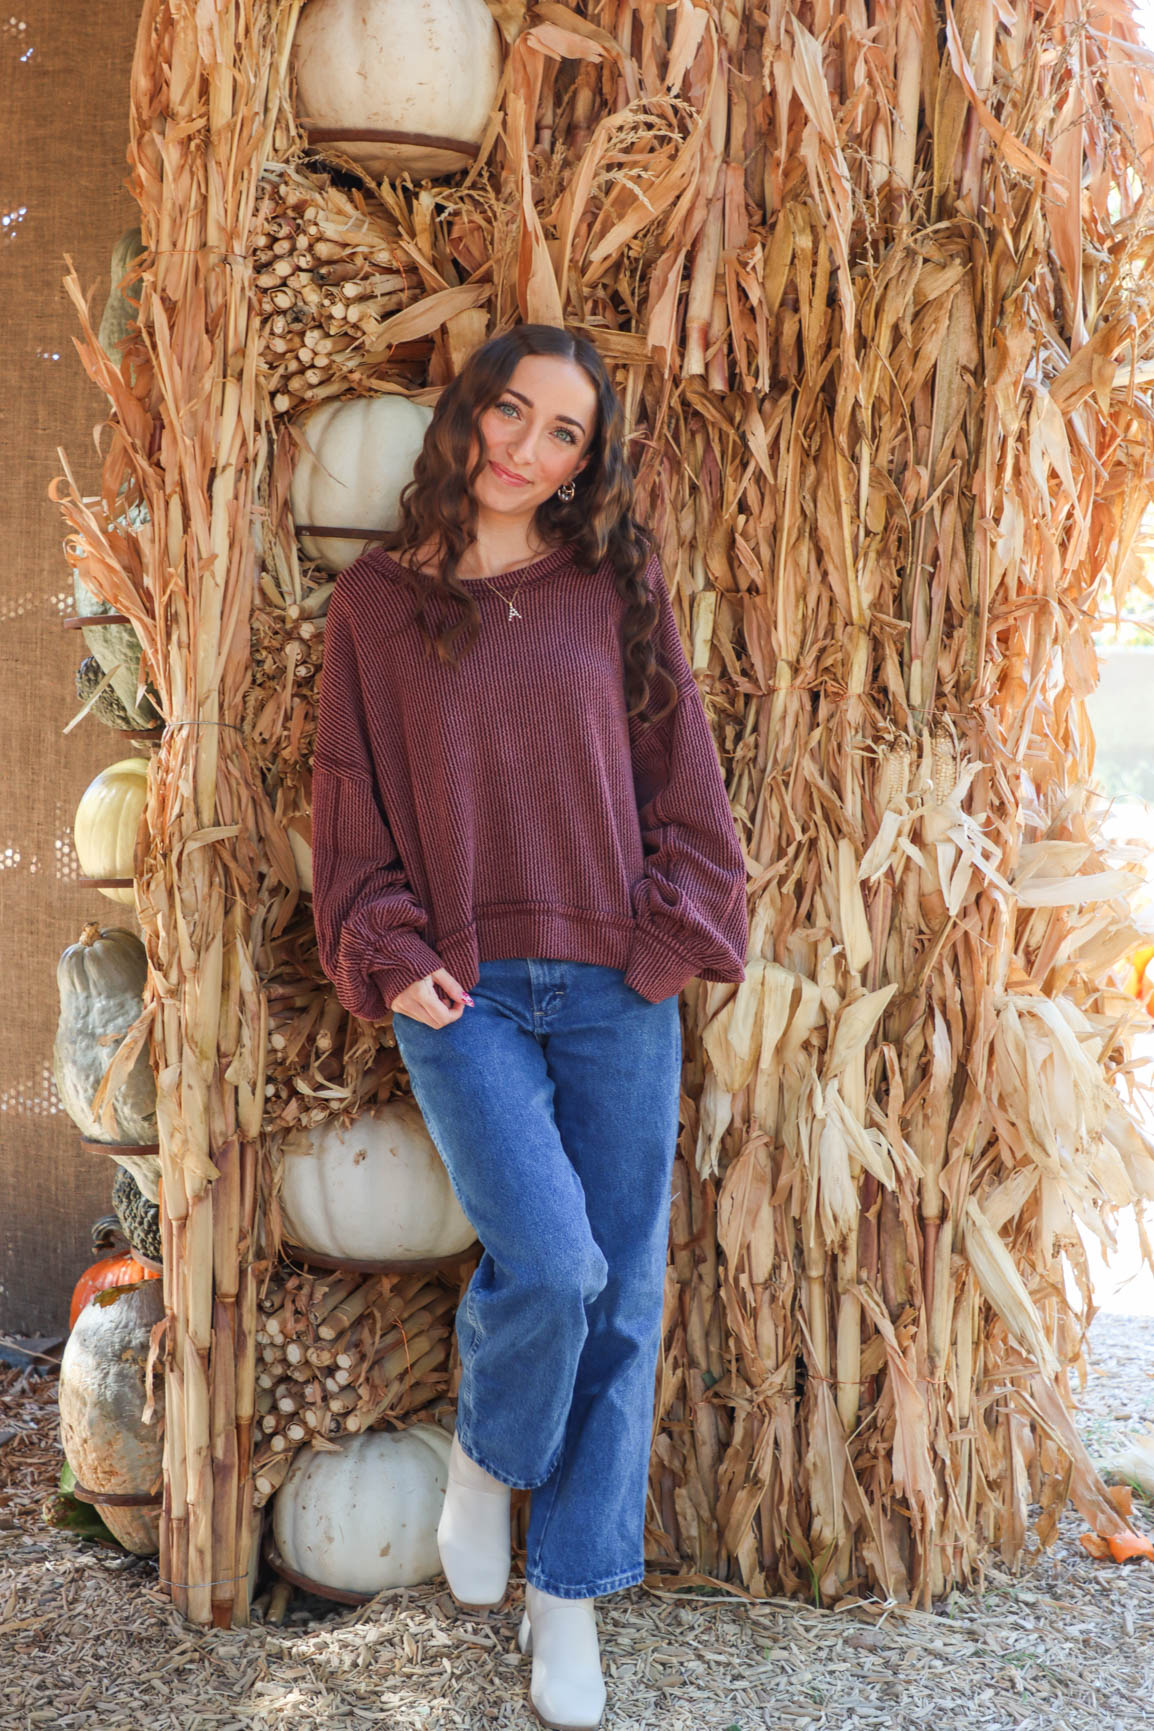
(64,71)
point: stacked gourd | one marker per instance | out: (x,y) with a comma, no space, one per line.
(101,980)
(113,1451)
(399,89)
(407,89)
(103,1074)
(341,1352)
(109,1427)
(364,1520)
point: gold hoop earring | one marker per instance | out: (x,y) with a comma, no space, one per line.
(566,491)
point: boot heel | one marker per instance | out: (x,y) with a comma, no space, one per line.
(567,1688)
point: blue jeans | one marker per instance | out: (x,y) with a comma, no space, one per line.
(554,1104)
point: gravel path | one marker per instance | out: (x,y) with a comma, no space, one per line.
(87,1639)
(1118,1399)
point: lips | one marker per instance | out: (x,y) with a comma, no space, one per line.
(506,476)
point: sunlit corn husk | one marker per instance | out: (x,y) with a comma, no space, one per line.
(889,384)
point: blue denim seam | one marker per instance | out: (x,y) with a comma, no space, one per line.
(448,1170)
(495,1472)
(589,1590)
(475,1336)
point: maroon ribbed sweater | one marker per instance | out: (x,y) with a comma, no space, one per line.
(507,806)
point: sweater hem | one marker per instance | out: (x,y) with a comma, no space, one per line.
(653,968)
(544,933)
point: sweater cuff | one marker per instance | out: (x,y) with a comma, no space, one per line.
(654,968)
(410,959)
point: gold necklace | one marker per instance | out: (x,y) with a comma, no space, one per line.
(513,612)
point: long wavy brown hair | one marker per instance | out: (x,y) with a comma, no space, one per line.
(439,511)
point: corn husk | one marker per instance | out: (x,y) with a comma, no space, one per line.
(871,286)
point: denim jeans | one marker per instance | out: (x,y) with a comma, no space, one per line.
(554,1104)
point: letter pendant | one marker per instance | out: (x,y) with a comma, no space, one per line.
(513,614)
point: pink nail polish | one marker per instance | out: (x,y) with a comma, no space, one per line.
(468,1000)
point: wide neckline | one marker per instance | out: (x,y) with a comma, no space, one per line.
(548,562)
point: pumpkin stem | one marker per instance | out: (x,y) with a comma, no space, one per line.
(90,933)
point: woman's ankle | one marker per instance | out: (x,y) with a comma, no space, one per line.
(467,1472)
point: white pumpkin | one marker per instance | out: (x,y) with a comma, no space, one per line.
(365,1519)
(356,458)
(107,820)
(377,1191)
(102,1399)
(391,66)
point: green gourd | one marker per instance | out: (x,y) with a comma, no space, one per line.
(101,982)
(117,651)
(108,707)
(116,647)
(120,309)
(139,1218)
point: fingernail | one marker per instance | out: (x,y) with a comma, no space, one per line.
(468,999)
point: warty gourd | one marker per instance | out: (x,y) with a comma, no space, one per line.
(102,1401)
(101,983)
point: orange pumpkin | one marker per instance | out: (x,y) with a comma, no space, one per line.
(1140,976)
(120,1270)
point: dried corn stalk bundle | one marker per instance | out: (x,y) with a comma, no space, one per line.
(187,443)
(337,1354)
(872,284)
(329,281)
(907,1107)
(322,1063)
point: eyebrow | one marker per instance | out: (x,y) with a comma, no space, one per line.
(528,402)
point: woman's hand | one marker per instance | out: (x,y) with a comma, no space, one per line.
(425,1000)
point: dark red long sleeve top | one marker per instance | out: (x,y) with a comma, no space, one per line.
(507,806)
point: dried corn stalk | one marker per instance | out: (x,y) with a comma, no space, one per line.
(878,315)
(337,1354)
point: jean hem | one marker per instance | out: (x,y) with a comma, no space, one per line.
(480,1460)
(589,1590)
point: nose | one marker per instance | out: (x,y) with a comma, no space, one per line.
(523,445)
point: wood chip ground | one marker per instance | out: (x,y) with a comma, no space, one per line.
(88,1638)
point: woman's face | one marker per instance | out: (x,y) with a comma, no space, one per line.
(535,436)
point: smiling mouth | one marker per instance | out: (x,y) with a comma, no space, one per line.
(507,476)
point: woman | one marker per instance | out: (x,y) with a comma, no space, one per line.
(523,848)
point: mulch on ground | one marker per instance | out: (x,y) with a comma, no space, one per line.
(88,1638)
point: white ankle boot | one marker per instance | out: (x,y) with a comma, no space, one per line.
(567,1688)
(473,1533)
